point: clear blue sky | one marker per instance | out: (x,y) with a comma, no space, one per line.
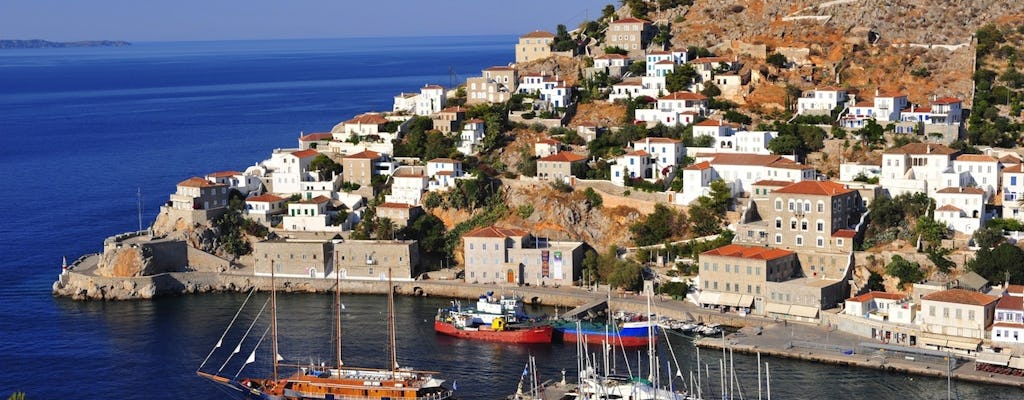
(162,20)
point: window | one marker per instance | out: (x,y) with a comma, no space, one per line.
(821,206)
(945,312)
(820,225)
(959,315)
(791,207)
(820,242)
(778,238)
(807,205)
(839,242)
(749,270)
(803,225)
(792,224)
(778,204)
(727,286)
(716,285)
(471,246)
(778,223)
(970,315)
(757,289)
(799,240)
(749,289)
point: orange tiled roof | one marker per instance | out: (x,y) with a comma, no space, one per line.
(946,100)
(1008,302)
(745,159)
(845,233)
(949,207)
(630,21)
(877,295)
(1009,159)
(443,161)
(710,122)
(816,188)
(961,296)
(751,252)
(684,96)
(265,198)
(368,119)
(1016,168)
(495,232)
(316,200)
(223,174)
(394,205)
(538,34)
(769,182)
(965,190)
(699,166)
(922,148)
(564,156)
(312,137)
(498,68)
(305,153)
(639,153)
(976,158)
(198,182)
(1017,289)
(366,154)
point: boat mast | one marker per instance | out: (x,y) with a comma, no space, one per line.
(337,316)
(391,325)
(273,318)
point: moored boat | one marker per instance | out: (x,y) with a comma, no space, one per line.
(495,320)
(625,334)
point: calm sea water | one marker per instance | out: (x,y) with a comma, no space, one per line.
(82,130)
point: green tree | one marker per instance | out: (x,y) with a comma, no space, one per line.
(594,199)
(940,257)
(680,78)
(777,59)
(429,230)
(432,200)
(875,282)
(906,271)
(711,90)
(737,117)
(608,11)
(930,230)
(872,134)
(660,225)
(988,237)
(705,219)
(324,166)
(591,263)
(627,275)
(677,290)
(1000,264)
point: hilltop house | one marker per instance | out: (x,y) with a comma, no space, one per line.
(495,86)
(429,100)
(821,101)
(679,108)
(630,34)
(561,165)
(197,200)
(536,45)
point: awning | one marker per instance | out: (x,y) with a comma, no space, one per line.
(804,311)
(709,298)
(964,344)
(746,301)
(930,341)
(1017,362)
(994,358)
(730,299)
(776,308)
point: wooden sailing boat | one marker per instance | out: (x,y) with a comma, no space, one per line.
(339,381)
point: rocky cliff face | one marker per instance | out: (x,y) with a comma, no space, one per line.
(568,216)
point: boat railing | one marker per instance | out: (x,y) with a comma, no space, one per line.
(445,395)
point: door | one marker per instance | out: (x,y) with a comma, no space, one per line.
(510,276)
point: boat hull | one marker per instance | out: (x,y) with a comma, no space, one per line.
(632,336)
(535,334)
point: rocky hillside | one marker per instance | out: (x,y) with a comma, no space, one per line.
(862,44)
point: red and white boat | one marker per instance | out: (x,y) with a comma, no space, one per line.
(492,320)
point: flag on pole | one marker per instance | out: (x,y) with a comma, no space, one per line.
(252,357)
(280,358)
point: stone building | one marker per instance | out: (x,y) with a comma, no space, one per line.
(296,258)
(371,259)
(535,45)
(499,255)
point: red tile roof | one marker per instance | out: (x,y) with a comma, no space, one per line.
(223,174)
(965,190)
(305,153)
(394,205)
(961,296)
(455,109)
(498,68)
(638,153)
(495,232)
(265,198)
(433,87)
(365,154)
(769,182)
(316,200)
(745,159)
(1016,168)
(946,100)
(538,34)
(949,207)
(710,122)
(443,161)
(751,252)
(876,295)
(630,21)
(684,96)
(1016,289)
(699,166)
(845,233)
(890,93)
(1009,159)
(564,156)
(313,137)
(1008,302)
(198,182)
(922,148)
(368,119)
(665,62)
(815,188)
(976,158)
(612,57)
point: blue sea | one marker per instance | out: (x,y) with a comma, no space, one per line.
(84,130)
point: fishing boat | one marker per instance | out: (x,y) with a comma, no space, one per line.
(625,334)
(326,382)
(464,325)
(493,319)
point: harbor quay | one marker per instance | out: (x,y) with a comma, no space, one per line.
(825,344)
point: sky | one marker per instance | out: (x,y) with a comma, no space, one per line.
(179,20)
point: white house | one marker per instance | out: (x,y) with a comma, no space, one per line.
(918,168)
(962,209)
(1009,316)
(635,87)
(707,66)
(612,60)
(679,108)
(549,88)
(263,207)
(407,185)
(288,170)
(957,313)
(850,171)
(983,171)
(309,215)
(665,154)
(442,173)
(429,100)
(879,306)
(1013,191)
(821,101)
(244,183)
(886,107)
(741,170)
(471,136)
(697,180)
(632,165)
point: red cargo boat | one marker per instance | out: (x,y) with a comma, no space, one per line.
(495,320)
(505,334)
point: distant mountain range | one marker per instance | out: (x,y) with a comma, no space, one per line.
(43,44)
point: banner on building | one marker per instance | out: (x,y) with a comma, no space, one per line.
(558,265)
(544,272)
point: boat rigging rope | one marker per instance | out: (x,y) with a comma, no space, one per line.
(221,340)
(239,346)
(253,351)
